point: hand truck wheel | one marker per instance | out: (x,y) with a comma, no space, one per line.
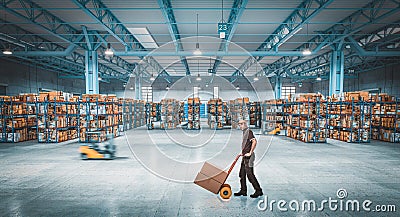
(225,192)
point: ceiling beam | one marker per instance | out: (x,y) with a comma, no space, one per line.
(346,27)
(237,10)
(104,17)
(323,60)
(55,26)
(291,25)
(35,49)
(168,13)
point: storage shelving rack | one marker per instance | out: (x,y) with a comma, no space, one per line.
(386,121)
(126,119)
(273,115)
(18,119)
(57,121)
(254,109)
(139,111)
(307,119)
(98,117)
(350,121)
(193,114)
(239,111)
(182,112)
(169,109)
(153,114)
(216,113)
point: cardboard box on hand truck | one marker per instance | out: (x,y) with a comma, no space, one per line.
(211,177)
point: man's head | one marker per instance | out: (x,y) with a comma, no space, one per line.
(242,124)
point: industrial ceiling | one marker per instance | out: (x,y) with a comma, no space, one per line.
(161,35)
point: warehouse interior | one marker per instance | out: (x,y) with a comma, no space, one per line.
(135,108)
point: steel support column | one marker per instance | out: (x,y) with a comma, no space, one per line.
(278,87)
(91,72)
(138,87)
(336,74)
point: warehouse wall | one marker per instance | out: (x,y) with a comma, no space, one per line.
(387,79)
(20,78)
(182,89)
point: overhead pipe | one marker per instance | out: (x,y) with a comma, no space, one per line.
(360,51)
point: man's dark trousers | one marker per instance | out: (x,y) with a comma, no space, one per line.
(249,171)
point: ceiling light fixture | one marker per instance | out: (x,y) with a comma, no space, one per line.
(237,87)
(307,50)
(109,51)
(198,71)
(300,84)
(197,52)
(7,51)
(152,78)
(255,75)
(167,88)
(318,78)
(198,77)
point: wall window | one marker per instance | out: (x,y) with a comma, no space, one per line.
(216,92)
(288,90)
(196,92)
(147,94)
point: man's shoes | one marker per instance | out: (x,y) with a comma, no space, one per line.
(257,194)
(240,193)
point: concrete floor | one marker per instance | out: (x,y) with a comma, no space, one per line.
(51,180)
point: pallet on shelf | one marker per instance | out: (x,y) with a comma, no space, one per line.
(193,113)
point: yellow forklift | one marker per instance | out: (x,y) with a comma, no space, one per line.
(105,150)
(270,128)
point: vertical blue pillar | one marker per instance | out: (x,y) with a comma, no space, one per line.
(278,87)
(138,87)
(91,72)
(336,74)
